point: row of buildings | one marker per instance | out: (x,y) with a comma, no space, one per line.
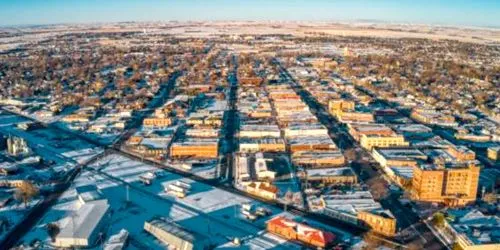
(186,130)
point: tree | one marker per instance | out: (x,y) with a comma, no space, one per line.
(378,188)
(350,154)
(438,219)
(53,230)
(371,240)
(25,192)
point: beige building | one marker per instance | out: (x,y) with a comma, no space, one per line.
(454,186)
(371,141)
(156,122)
(252,145)
(380,221)
(263,189)
(198,148)
(494,153)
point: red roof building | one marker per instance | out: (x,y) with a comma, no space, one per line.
(292,230)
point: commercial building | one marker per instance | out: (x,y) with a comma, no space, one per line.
(337,106)
(454,186)
(202,132)
(252,145)
(149,147)
(402,157)
(259,131)
(197,148)
(261,168)
(213,119)
(358,130)
(306,234)
(433,117)
(312,159)
(275,93)
(305,129)
(262,189)
(494,153)
(73,118)
(156,123)
(344,111)
(414,131)
(83,226)
(330,175)
(462,153)
(472,230)
(346,205)
(371,141)
(256,81)
(355,117)
(242,168)
(311,143)
(283,106)
(175,236)
(379,220)
(288,118)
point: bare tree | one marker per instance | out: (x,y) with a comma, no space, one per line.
(25,192)
(53,230)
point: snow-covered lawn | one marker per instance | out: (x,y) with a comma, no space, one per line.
(206,210)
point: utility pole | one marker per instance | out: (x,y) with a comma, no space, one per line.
(127,193)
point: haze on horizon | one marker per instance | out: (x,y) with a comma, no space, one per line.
(445,12)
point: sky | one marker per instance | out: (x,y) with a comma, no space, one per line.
(442,12)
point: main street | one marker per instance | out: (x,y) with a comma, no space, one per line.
(369,172)
(115,149)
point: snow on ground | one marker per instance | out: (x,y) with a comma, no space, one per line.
(206,210)
(263,240)
(7,119)
(50,144)
(14,213)
(104,138)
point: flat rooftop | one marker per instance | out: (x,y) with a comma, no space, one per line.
(401,153)
(328,172)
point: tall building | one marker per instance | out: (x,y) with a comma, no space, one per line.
(454,186)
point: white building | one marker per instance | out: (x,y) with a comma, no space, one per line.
(261,168)
(83,227)
(305,129)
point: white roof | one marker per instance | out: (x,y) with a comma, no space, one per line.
(117,241)
(82,222)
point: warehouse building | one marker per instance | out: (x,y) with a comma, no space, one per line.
(83,227)
(175,236)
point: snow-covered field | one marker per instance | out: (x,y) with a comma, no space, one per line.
(206,210)
(50,144)
(14,213)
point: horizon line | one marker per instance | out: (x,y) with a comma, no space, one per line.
(337,21)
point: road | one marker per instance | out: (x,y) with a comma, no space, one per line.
(231,125)
(160,98)
(226,186)
(36,213)
(355,230)
(369,172)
